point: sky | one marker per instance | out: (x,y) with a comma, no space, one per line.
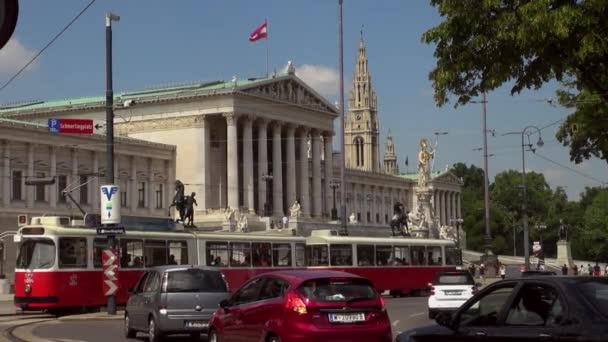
(159,42)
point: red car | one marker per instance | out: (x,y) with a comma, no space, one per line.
(300,306)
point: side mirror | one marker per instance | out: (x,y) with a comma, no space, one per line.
(445,319)
(224,304)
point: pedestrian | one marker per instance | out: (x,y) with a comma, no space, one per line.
(575,269)
(589,269)
(472,269)
(522,268)
(482,271)
(565,270)
(597,271)
(503,272)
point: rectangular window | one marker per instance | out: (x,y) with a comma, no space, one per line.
(341,255)
(159,197)
(377,218)
(418,255)
(155,253)
(84,190)
(131,253)
(383,255)
(217,254)
(17,183)
(240,254)
(141,195)
(72,253)
(261,254)
(123,199)
(178,253)
(281,254)
(300,255)
(358,217)
(385,218)
(98,246)
(40,189)
(434,255)
(317,255)
(62,183)
(365,255)
(402,255)
(369,217)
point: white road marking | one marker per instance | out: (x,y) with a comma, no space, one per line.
(395,322)
(417,314)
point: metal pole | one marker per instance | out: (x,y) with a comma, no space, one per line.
(111,306)
(488,237)
(342,124)
(514,237)
(524,204)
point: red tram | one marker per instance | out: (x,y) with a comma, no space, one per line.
(59,263)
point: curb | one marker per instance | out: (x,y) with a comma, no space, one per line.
(93,317)
(26,331)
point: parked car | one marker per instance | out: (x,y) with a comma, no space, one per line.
(449,290)
(303,305)
(556,308)
(174,300)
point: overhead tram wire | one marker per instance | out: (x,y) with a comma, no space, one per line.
(47,45)
(571,169)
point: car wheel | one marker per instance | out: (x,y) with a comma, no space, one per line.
(129,332)
(432,315)
(274,338)
(212,337)
(153,332)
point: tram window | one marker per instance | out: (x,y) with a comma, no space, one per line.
(240,254)
(418,255)
(383,255)
(341,255)
(434,255)
(131,253)
(155,253)
(365,255)
(402,256)
(217,254)
(36,254)
(281,254)
(72,252)
(317,255)
(261,254)
(98,246)
(178,253)
(301,255)
(451,256)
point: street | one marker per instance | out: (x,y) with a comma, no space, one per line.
(404,313)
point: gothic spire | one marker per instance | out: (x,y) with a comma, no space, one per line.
(362,95)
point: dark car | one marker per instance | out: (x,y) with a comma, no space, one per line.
(174,300)
(537,273)
(298,306)
(526,309)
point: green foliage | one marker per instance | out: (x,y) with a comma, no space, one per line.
(594,234)
(482,44)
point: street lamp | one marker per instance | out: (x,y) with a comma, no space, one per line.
(334,212)
(268,205)
(458,222)
(524,204)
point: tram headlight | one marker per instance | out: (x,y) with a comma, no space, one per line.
(28,288)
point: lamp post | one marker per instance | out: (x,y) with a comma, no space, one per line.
(524,204)
(334,212)
(458,222)
(268,205)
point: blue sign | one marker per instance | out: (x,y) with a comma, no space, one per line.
(109,192)
(54,125)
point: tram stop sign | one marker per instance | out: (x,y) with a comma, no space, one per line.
(109,259)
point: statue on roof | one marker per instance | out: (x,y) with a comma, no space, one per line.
(425,157)
(179,202)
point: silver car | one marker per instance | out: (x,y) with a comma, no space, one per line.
(174,300)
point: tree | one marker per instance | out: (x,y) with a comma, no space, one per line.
(595,234)
(481,45)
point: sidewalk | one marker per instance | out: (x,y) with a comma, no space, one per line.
(120,314)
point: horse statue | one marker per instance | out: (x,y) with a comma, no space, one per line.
(179,202)
(399,220)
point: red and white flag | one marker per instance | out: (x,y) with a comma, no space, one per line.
(259,33)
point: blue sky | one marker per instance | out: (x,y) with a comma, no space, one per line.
(163,42)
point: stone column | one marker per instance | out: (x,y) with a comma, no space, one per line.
(262,164)
(446,207)
(201,196)
(248,164)
(54,188)
(329,172)
(151,188)
(304,173)
(316,174)
(75,178)
(94,182)
(453,206)
(6,174)
(290,182)
(169,184)
(134,193)
(277,171)
(458,203)
(232,157)
(440,206)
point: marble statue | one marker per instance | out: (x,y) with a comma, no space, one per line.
(229,214)
(242,224)
(295,210)
(352,218)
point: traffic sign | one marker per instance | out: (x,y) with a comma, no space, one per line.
(70,126)
(118,230)
(109,260)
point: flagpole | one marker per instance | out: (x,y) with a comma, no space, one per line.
(266,23)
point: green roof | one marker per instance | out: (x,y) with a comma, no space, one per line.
(183,89)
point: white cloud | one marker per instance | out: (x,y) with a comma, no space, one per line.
(14,56)
(325,80)
(553,175)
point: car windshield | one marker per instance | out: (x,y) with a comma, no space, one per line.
(454,279)
(596,292)
(195,280)
(36,254)
(337,290)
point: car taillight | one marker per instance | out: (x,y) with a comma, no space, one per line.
(432,290)
(429,284)
(295,303)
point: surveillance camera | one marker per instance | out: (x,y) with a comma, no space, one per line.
(128,103)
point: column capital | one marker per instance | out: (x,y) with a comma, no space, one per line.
(328,134)
(276,124)
(231,118)
(261,121)
(291,128)
(315,133)
(303,130)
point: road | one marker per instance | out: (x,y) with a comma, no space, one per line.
(9,318)
(404,313)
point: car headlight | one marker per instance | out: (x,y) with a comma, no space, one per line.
(28,288)
(163,311)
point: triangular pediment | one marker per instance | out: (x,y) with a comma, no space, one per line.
(448,178)
(290,89)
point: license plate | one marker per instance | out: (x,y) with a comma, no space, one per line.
(346,318)
(196,324)
(452,293)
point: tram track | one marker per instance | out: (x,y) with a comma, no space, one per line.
(10,335)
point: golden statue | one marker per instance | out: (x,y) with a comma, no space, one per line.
(424,163)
